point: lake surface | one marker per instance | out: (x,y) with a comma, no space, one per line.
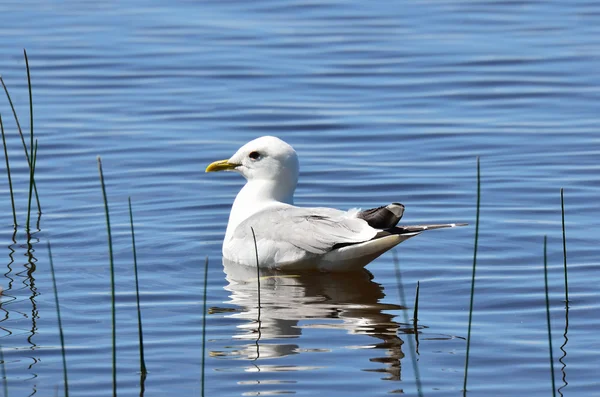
(383,103)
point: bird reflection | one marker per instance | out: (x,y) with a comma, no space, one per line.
(287,299)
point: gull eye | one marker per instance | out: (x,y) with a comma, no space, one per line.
(254,155)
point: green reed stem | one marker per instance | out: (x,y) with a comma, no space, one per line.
(416,318)
(204,309)
(548,316)
(564,241)
(416,311)
(12,197)
(30,99)
(137,294)
(31,147)
(14,112)
(257,267)
(258,294)
(31,179)
(60,328)
(405,314)
(112,280)
(473,275)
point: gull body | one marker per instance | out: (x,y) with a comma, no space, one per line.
(299,238)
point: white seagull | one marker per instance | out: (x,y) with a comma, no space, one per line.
(299,238)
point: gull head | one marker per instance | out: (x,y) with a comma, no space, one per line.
(271,168)
(264,159)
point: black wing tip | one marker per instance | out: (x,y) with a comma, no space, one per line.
(384,217)
(397,209)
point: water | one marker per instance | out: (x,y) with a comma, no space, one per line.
(383,103)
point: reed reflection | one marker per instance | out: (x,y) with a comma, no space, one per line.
(29,281)
(287,299)
(19,302)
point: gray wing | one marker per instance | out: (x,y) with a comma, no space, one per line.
(314,230)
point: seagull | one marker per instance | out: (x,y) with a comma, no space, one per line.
(265,228)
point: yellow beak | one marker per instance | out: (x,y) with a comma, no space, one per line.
(221,165)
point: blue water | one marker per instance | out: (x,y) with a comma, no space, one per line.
(383,102)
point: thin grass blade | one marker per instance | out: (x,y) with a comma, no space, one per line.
(258,321)
(30,100)
(31,179)
(473,276)
(12,197)
(137,294)
(416,318)
(257,266)
(31,138)
(112,279)
(416,311)
(60,328)
(564,241)
(14,112)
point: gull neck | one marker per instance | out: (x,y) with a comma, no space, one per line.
(255,196)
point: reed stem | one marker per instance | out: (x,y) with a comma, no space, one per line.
(60,328)
(31,179)
(257,267)
(564,241)
(137,294)
(112,279)
(258,294)
(12,197)
(30,99)
(416,311)
(31,147)
(14,112)
(416,318)
(473,276)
